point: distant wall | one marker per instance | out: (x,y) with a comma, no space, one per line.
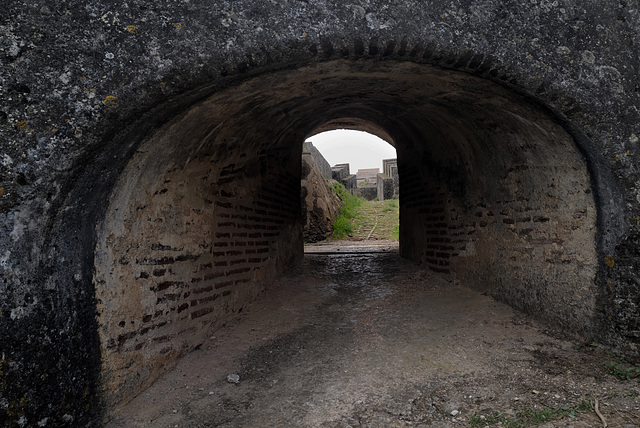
(367,191)
(321,162)
(320,205)
(340,171)
(385,187)
(369,175)
(390,169)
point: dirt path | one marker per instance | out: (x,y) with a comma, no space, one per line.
(376,221)
(368,340)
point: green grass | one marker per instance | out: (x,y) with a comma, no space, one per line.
(390,205)
(531,417)
(356,216)
(391,209)
(623,372)
(396,233)
(343,225)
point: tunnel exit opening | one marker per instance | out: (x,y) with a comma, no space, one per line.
(207,212)
(349,189)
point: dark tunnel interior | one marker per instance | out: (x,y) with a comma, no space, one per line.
(493,192)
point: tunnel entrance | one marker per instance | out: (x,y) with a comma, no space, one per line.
(207,213)
(347,175)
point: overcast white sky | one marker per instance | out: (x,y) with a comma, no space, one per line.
(359,149)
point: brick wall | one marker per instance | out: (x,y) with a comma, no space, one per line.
(512,215)
(536,244)
(427,204)
(188,241)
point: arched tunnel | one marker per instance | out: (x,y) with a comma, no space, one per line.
(493,190)
(150,163)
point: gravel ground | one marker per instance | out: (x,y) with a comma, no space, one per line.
(370,340)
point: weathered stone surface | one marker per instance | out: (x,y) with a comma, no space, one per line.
(321,162)
(384,187)
(320,205)
(340,171)
(390,169)
(84,86)
(367,191)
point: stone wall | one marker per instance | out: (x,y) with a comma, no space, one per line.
(390,169)
(340,171)
(368,175)
(350,182)
(341,174)
(516,126)
(189,237)
(385,187)
(321,162)
(320,205)
(367,191)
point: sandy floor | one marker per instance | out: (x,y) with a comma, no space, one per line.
(369,340)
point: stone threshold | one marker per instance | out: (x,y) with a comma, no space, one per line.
(352,247)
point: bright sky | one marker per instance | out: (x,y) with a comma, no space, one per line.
(359,149)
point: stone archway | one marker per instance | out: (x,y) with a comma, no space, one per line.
(206,213)
(83,84)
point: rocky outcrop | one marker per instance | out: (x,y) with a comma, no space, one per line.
(320,206)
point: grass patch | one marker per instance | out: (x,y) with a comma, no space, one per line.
(531,417)
(350,202)
(343,225)
(390,210)
(390,205)
(623,372)
(396,233)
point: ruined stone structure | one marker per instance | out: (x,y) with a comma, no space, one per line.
(390,169)
(384,187)
(150,181)
(340,173)
(367,185)
(367,175)
(320,161)
(367,191)
(319,204)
